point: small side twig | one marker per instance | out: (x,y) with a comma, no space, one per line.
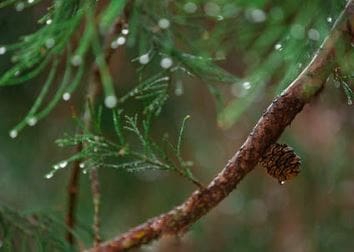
(96,195)
(73,188)
(93,91)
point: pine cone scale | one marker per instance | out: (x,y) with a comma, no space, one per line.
(281,162)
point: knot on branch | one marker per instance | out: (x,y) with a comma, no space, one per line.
(281,162)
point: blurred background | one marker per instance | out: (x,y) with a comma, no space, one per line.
(312,212)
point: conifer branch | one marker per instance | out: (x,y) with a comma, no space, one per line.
(268,129)
(93,91)
(73,187)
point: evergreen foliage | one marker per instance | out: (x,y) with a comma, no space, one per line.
(32,231)
(99,151)
(166,40)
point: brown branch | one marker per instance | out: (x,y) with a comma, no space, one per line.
(73,188)
(96,196)
(93,91)
(270,126)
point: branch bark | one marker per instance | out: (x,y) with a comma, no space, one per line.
(270,126)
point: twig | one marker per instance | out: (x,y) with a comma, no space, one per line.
(96,196)
(73,188)
(95,84)
(93,91)
(268,129)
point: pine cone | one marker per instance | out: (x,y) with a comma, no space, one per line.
(281,162)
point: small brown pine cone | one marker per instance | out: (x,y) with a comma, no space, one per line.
(281,162)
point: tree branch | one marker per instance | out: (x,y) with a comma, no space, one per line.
(92,93)
(270,126)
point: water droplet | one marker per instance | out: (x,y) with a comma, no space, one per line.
(17,73)
(190,7)
(206,35)
(246,85)
(313,34)
(276,13)
(278,47)
(230,10)
(350,102)
(82,165)
(179,88)
(297,31)
(32,121)
(14,59)
(56,167)
(49,21)
(121,40)
(2,50)
(49,175)
(26,38)
(164,23)
(336,84)
(30,1)
(13,133)
(282,182)
(125,31)
(235,89)
(220,18)
(63,164)
(212,9)
(329,19)
(114,44)
(66,96)
(84,171)
(189,163)
(49,43)
(144,59)
(76,60)
(20,6)
(220,55)
(257,15)
(110,101)
(166,63)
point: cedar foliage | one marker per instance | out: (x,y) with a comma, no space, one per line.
(166,41)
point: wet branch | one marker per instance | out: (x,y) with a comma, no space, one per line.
(268,129)
(92,93)
(73,188)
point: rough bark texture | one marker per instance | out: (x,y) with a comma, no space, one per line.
(270,126)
